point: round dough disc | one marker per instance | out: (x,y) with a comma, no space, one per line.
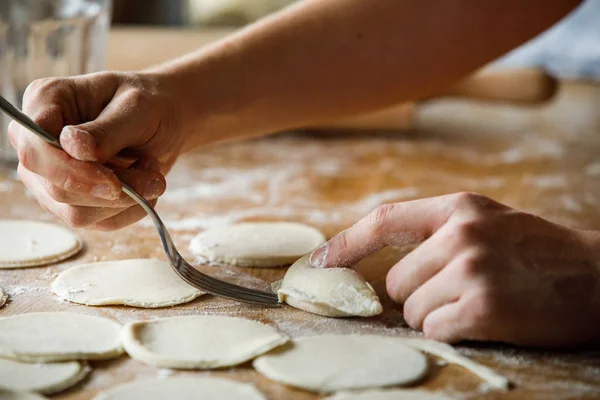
(330,363)
(41,378)
(260,244)
(331,292)
(183,389)
(6,394)
(33,243)
(393,394)
(199,341)
(137,283)
(3,297)
(59,336)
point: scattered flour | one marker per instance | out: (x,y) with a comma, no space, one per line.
(19,290)
(164,373)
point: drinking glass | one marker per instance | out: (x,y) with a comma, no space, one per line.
(45,38)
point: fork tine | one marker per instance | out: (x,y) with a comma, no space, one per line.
(224,289)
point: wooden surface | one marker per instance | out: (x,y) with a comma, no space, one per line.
(540,159)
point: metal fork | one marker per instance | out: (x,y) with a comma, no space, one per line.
(181,267)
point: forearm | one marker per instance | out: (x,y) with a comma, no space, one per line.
(325,59)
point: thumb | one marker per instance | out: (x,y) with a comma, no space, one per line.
(123,123)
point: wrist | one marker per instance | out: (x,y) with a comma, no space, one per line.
(214,96)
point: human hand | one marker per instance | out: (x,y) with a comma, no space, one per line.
(483,272)
(97,117)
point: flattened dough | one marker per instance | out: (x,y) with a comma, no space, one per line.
(260,244)
(183,389)
(10,395)
(3,297)
(332,292)
(199,341)
(33,243)
(448,353)
(59,336)
(41,378)
(329,363)
(392,394)
(137,283)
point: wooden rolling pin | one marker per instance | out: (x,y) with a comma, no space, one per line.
(521,86)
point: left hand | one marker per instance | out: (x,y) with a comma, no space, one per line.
(483,272)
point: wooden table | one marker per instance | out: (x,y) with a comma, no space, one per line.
(541,159)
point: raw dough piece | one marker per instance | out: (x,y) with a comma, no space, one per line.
(10,395)
(392,394)
(332,292)
(330,363)
(448,353)
(41,378)
(260,244)
(183,389)
(138,283)
(32,243)
(199,341)
(3,297)
(58,336)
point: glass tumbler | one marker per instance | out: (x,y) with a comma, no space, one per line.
(45,38)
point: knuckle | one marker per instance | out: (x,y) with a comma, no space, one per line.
(39,86)
(26,157)
(57,194)
(468,231)
(76,217)
(136,98)
(378,217)
(68,182)
(341,241)
(471,266)
(470,200)
(36,85)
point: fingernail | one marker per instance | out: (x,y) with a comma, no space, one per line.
(154,188)
(104,192)
(319,256)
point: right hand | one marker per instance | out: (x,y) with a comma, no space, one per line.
(96,117)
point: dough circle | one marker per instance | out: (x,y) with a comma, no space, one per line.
(41,378)
(258,244)
(6,394)
(199,341)
(392,394)
(58,336)
(331,292)
(183,389)
(34,243)
(330,363)
(451,355)
(138,283)
(3,297)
